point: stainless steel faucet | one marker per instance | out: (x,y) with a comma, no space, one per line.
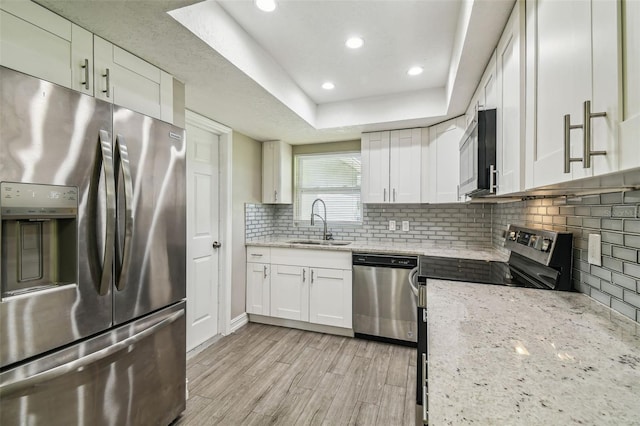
(324,220)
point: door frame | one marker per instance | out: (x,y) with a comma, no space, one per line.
(225,213)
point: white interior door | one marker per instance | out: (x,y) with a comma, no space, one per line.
(202,233)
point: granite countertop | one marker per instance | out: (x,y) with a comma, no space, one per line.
(515,356)
(431,249)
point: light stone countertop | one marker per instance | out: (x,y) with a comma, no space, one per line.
(515,356)
(432,249)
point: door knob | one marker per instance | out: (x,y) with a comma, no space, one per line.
(216,245)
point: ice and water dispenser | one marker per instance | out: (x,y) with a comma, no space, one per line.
(38,237)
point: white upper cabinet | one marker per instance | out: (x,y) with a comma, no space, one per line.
(630,126)
(571,59)
(40,43)
(391,166)
(510,79)
(124,79)
(36,41)
(375,167)
(276,172)
(441,162)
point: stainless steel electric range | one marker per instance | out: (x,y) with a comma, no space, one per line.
(539,259)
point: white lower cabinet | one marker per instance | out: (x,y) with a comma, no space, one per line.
(258,288)
(312,286)
(330,297)
(290,292)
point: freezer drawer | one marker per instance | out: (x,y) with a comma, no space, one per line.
(131,375)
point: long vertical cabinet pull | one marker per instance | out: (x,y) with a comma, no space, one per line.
(122,164)
(312,276)
(275,195)
(304,275)
(85,67)
(384,194)
(265,271)
(107,77)
(588,115)
(105,162)
(568,159)
(394,195)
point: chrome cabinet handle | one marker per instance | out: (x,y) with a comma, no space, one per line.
(458,192)
(86,74)
(265,271)
(384,194)
(588,115)
(312,276)
(394,195)
(256,254)
(107,76)
(31,381)
(122,162)
(567,143)
(304,275)
(493,174)
(104,163)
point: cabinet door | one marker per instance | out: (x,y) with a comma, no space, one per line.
(562,73)
(510,111)
(126,80)
(258,288)
(630,127)
(35,41)
(330,297)
(290,292)
(375,167)
(276,173)
(444,162)
(404,159)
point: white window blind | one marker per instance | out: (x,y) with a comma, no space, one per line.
(335,178)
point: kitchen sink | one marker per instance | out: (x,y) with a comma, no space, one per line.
(320,242)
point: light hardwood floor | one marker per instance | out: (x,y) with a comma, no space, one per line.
(266,375)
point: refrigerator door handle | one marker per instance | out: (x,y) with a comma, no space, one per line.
(105,162)
(122,162)
(31,381)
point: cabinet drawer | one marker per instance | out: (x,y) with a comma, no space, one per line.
(312,258)
(259,254)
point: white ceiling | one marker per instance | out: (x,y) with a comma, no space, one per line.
(307,38)
(260,73)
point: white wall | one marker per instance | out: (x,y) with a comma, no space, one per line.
(247,188)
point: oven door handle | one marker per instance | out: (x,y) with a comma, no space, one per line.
(31,381)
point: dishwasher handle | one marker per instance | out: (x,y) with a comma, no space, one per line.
(412,281)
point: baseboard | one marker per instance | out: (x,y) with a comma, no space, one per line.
(302,325)
(238,322)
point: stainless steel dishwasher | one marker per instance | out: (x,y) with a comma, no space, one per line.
(383,304)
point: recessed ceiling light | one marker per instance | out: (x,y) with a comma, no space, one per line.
(328,85)
(354,42)
(415,70)
(266,5)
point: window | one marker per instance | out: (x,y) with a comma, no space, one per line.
(335,178)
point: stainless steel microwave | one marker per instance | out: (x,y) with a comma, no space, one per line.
(478,155)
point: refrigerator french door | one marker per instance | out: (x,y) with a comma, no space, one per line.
(92,259)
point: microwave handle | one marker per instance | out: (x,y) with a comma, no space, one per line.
(493,174)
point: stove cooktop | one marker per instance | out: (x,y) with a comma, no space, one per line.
(485,272)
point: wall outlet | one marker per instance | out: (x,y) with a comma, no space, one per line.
(392,225)
(405,225)
(594,256)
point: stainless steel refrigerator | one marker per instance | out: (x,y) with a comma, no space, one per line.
(93,265)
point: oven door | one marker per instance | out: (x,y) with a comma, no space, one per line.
(422,373)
